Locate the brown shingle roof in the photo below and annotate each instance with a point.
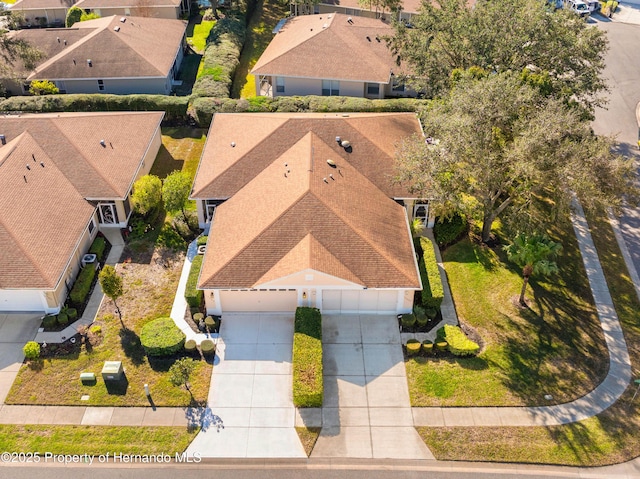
(305, 215)
(41, 218)
(409, 6)
(72, 141)
(143, 47)
(40, 4)
(328, 46)
(127, 3)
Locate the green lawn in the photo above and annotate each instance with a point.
(609, 438)
(259, 34)
(95, 440)
(556, 347)
(198, 39)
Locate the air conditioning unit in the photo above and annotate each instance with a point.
(89, 259)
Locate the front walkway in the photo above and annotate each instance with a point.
(366, 411)
(250, 394)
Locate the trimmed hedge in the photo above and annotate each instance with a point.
(82, 286)
(208, 347)
(175, 107)
(459, 344)
(161, 337)
(221, 58)
(31, 350)
(49, 322)
(203, 109)
(408, 320)
(98, 246)
(308, 389)
(63, 319)
(194, 296)
(190, 345)
(432, 290)
(413, 347)
(202, 240)
(427, 347)
(448, 230)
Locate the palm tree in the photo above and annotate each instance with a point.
(534, 254)
(417, 227)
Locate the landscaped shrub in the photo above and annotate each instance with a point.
(31, 350)
(413, 347)
(201, 240)
(408, 321)
(192, 295)
(82, 286)
(49, 322)
(98, 246)
(221, 58)
(63, 319)
(307, 358)
(448, 230)
(427, 347)
(72, 313)
(209, 322)
(459, 344)
(197, 317)
(421, 316)
(175, 107)
(208, 347)
(161, 337)
(190, 345)
(441, 345)
(432, 291)
(96, 329)
(170, 238)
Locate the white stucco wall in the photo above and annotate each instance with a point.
(118, 86)
(147, 11)
(313, 86)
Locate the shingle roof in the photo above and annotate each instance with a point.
(40, 4)
(329, 46)
(127, 3)
(72, 141)
(290, 210)
(409, 6)
(136, 50)
(43, 218)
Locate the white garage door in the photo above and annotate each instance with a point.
(258, 300)
(360, 301)
(11, 300)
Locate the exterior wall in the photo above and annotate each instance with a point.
(146, 11)
(310, 279)
(11, 86)
(408, 92)
(313, 86)
(119, 86)
(52, 15)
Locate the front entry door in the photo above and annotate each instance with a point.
(421, 210)
(108, 213)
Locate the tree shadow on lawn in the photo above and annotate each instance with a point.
(180, 133)
(165, 162)
(132, 347)
(472, 363)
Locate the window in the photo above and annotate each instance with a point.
(279, 85)
(100, 85)
(92, 225)
(330, 87)
(373, 89)
(397, 86)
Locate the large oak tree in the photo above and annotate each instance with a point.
(504, 35)
(501, 149)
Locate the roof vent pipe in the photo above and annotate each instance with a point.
(3, 139)
(103, 143)
(89, 62)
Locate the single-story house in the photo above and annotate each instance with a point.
(356, 8)
(53, 13)
(330, 55)
(119, 55)
(302, 210)
(64, 177)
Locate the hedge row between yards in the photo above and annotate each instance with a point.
(82, 286)
(432, 291)
(193, 295)
(308, 390)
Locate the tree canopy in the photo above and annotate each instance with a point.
(504, 35)
(14, 50)
(499, 148)
(175, 191)
(147, 194)
(111, 284)
(74, 14)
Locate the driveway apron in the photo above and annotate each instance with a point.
(366, 411)
(250, 399)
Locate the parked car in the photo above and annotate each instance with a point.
(594, 6)
(578, 7)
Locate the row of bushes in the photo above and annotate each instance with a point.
(207, 347)
(175, 107)
(203, 109)
(98, 247)
(63, 318)
(161, 337)
(82, 286)
(307, 358)
(449, 230)
(432, 291)
(221, 58)
(448, 338)
(193, 295)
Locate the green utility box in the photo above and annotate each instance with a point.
(112, 371)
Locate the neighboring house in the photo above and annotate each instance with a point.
(329, 55)
(289, 228)
(120, 55)
(64, 177)
(172, 9)
(355, 8)
(54, 12)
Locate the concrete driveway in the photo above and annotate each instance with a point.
(250, 396)
(366, 410)
(16, 329)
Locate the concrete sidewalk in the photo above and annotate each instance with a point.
(602, 397)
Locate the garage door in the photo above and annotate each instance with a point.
(258, 300)
(360, 301)
(21, 300)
